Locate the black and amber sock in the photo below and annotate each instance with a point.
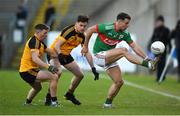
(28, 101)
(108, 101)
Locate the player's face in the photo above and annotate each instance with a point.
(43, 34)
(123, 24)
(81, 26)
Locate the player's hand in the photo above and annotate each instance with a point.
(53, 69)
(96, 74)
(84, 50)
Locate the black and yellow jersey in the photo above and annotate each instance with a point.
(32, 44)
(71, 39)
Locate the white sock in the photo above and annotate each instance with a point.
(149, 65)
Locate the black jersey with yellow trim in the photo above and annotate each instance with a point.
(71, 39)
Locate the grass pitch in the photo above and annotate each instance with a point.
(92, 94)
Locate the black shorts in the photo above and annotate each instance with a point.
(64, 59)
(29, 76)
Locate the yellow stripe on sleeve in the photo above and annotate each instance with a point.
(67, 32)
(37, 44)
(62, 38)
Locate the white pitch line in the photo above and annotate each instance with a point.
(148, 89)
(151, 90)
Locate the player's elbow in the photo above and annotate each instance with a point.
(124, 50)
(35, 59)
(91, 30)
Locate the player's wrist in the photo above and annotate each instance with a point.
(47, 66)
(85, 46)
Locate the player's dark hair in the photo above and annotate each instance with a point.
(160, 18)
(83, 18)
(122, 16)
(41, 27)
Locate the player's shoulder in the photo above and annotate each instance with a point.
(108, 26)
(69, 29)
(126, 32)
(34, 42)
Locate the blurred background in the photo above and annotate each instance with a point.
(18, 17)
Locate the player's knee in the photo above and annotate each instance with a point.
(60, 71)
(80, 76)
(55, 77)
(124, 50)
(119, 83)
(59, 75)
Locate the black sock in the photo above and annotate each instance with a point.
(54, 99)
(70, 91)
(28, 101)
(48, 95)
(108, 101)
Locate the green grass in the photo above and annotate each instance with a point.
(92, 94)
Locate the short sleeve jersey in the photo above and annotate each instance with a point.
(71, 39)
(32, 44)
(108, 37)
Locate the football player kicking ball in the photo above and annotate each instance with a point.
(31, 62)
(106, 55)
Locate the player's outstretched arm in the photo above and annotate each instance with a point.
(42, 64)
(138, 50)
(59, 43)
(88, 35)
(90, 61)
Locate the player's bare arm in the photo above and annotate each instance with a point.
(89, 59)
(58, 45)
(89, 33)
(37, 60)
(138, 50)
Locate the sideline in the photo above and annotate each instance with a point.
(151, 90)
(148, 89)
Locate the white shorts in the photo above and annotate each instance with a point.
(99, 59)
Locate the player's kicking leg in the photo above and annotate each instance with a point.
(115, 54)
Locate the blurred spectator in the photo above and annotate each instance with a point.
(50, 15)
(21, 15)
(161, 33)
(175, 34)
